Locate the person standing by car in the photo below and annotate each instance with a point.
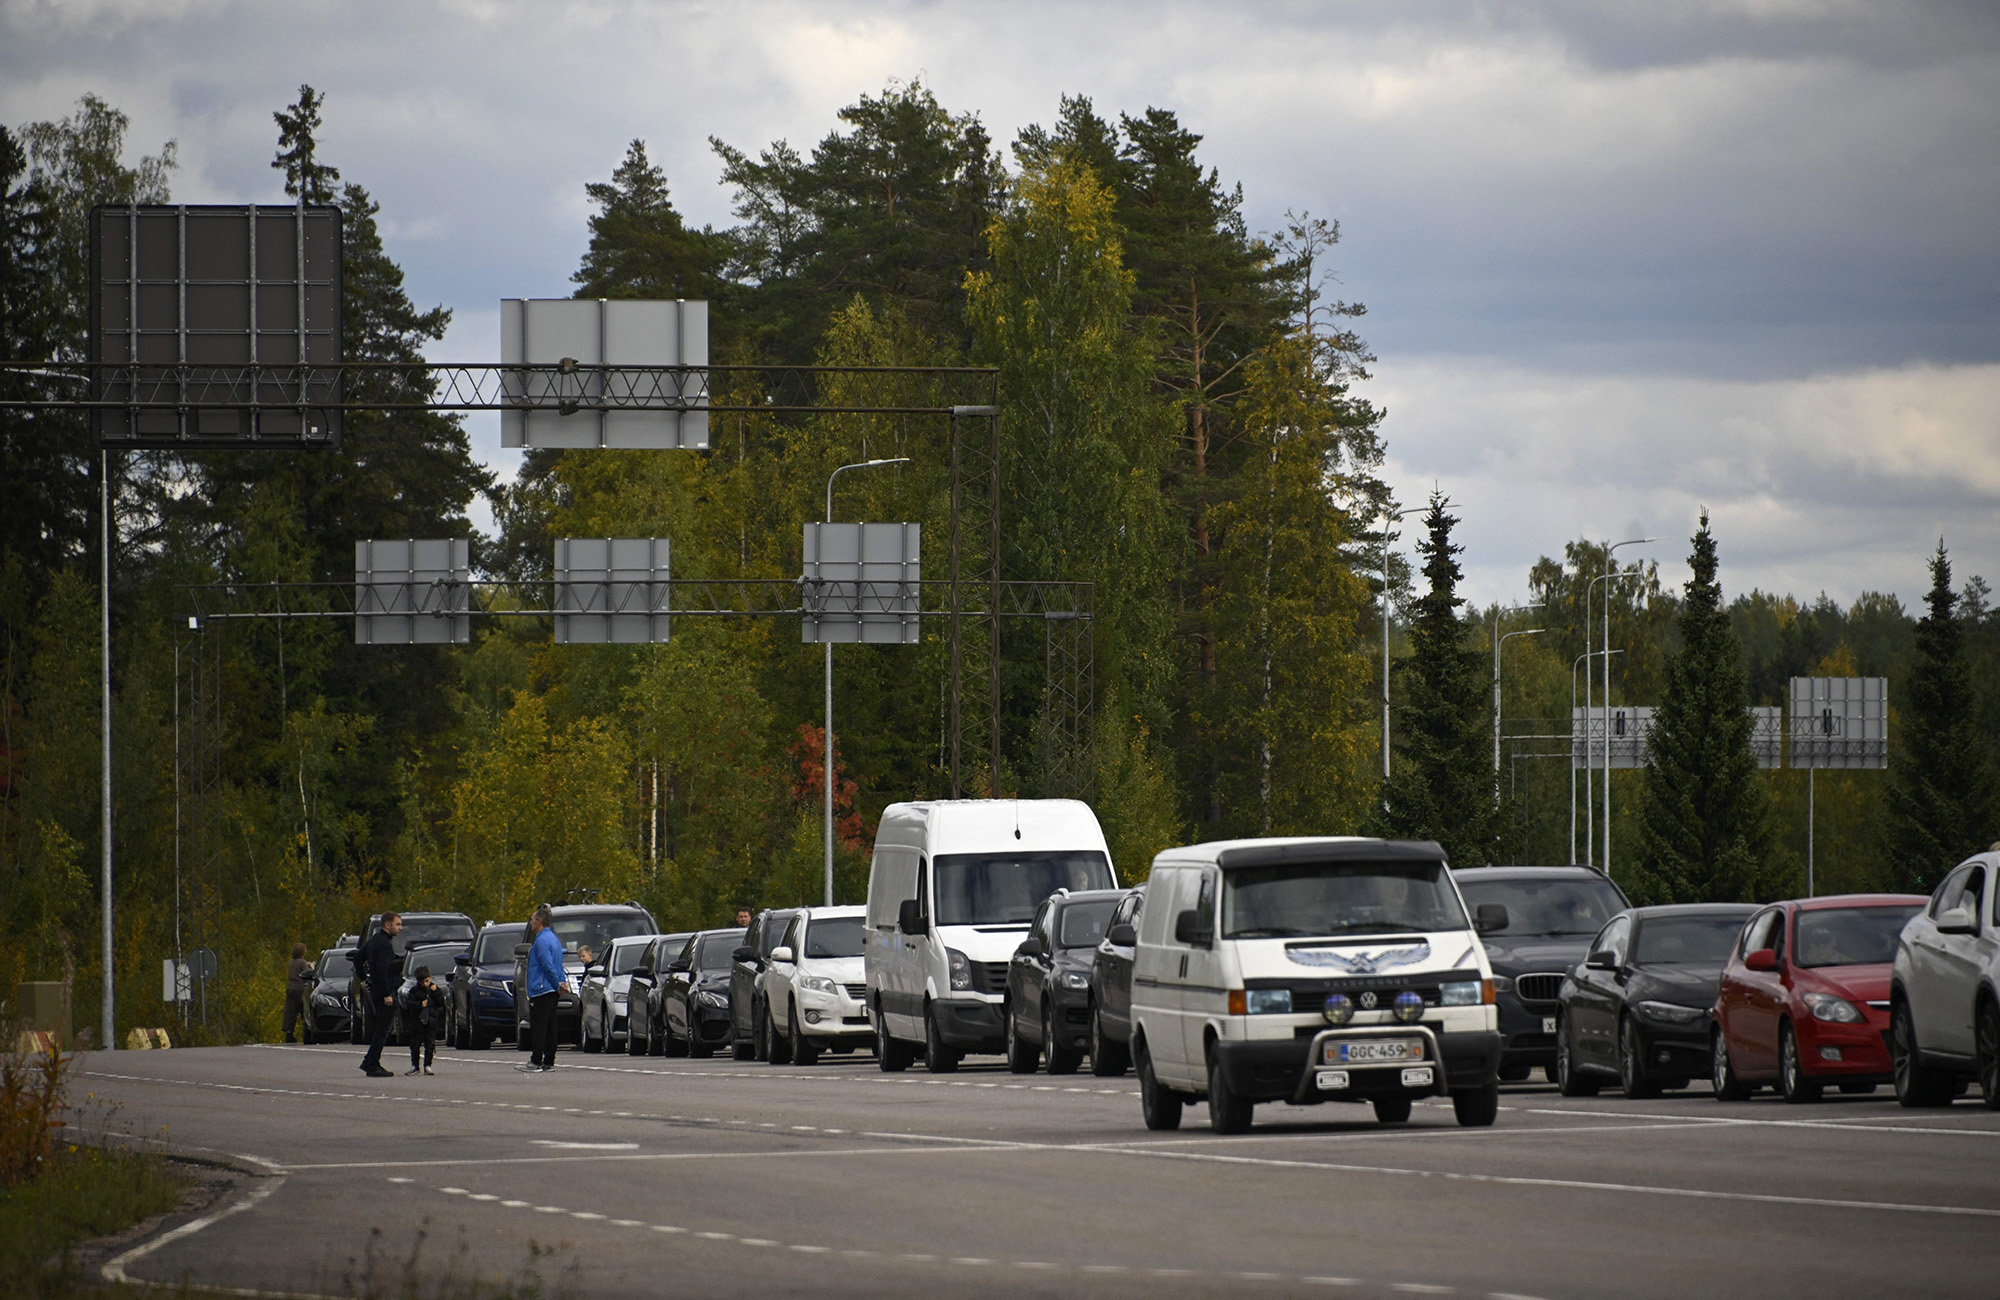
(425, 1013)
(742, 918)
(545, 982)
(298, 983)
(378, 973)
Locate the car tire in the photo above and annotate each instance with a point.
(1721, 1070)
(1632, 1075)
(1569, 1080)
(1918, 1086)
(1391, 1110)
(1158, 1106)
(1061, 1060)
(742, 1049)
(672, 1046)
(804, 1050)
(584, 1040)
(1515, 1073)
(892, 1055)
(1022, 1056)
(1476, 1107)
(1793, 1085)
(1986, 1051)
(1227, 1113)
(1107, 1060)
(938, 1058)
(777, 1051)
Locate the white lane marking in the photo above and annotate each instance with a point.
(586, 1146)
(402, 1180)
(621, 1156)
(114, 1268)
(1855, 1125)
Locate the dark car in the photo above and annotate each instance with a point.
(694, 1003)
(578, 926)
(747, 1008)
(1637, 1008)
(418, 928)
(1047, 1008)
(329, 1013)
(1551, 914)
(646, 1031)
(1111, 988)
(441, 960)
(482, 990)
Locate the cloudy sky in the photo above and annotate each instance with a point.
(1622, 259)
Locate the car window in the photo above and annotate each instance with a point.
(895, 879)
(626, 958)
(754, 936)
(1685, 940)
(1204, 901)
(1153, 922)
(783, 929)
(1850, 936)
(1947, 888)
(1968, 894)
(835, 936)
(1757, 934)
(1778, 938)
(1040, 929)
(1083, 924)
(718, 951)
(1330, 898)
(1614, 939)
(596, 930)
(1006, 888)
(1575, 906)
(1128, 908)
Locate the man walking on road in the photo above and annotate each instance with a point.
(545, 981)
(298, 983)
(378, 969)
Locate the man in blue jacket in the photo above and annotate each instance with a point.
(545, 980)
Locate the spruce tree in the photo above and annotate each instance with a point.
(1704, 831)
(1442, 785)
(1941, 788)
(639, 245)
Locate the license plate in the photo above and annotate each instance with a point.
(1417, 1078)
(1548, 1024)
(1376, 1051)
(1330, 1080)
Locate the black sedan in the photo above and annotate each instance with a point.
(482, 989)
(1048, 980)
(1637, 1007)
(695, 1001)
(645, 1026)
(1551, 914)
(1111, 988)
(329, 1012)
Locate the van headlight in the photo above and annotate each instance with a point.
(1269, 1002)
(961, 970)
(1459, 993)
(1408, 1006)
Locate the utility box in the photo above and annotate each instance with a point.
(44, 1007)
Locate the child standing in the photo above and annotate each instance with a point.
(424, 1016)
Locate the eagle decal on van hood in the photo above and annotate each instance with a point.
(1361, 961)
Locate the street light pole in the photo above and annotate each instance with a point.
(108, 1010)
(1588, 654)
(1497, 639)
(1611, 572)
(1387, 517)
(826, 755)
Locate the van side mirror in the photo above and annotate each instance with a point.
(1122, 935)
(1489, 917)
(1602, 959)
(1192, 930)
(910, 918)
(1762, 959)
(783, 952)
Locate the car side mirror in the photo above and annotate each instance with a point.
(1489, 917)
(643, 974)
(463, 959)
(1957, 920)
(678, 967)
(782, 952)
(593, 969)
(520, 950)
(1764, 959)
(1602, 959)
(1030, 947)
(910, 918)
(1192, 930)
(744, 952)
(1121, 935)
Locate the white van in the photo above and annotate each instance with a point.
(1311, 970)
(953, 887)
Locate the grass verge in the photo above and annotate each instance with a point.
(79, 1193)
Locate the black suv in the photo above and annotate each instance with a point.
(482, 990)
(419, 928)
(746, 993)
(1551, 914)
(1048, 980)
(1111, 988)
(586, 925)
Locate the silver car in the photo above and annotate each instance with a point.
(1944, 990)
(606, 986)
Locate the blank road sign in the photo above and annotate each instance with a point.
(612, 591)
(1629, 726)
(412, 591)
(1840, 722)
(570, 400)
(861, 583)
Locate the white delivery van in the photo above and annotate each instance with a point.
(1311, 970)
(952, 889)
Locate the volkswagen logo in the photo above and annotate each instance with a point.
(1367, 1001)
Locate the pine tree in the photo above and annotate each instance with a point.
(298, 149)
(639, 245)
(1442, 785)
(1941, 786)
(1704, 832)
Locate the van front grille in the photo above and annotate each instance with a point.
(989, 976)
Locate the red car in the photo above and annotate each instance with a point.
(1804, 998)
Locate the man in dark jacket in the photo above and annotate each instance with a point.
(378, 973)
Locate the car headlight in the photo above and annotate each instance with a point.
(1459, 993)
(961, 969)
(1840, 1011)
(1669, 1013)
(1075, 979)
(1268, 1002)
(490, 985)
(818, 984)
(1502, 984)
(709, 999)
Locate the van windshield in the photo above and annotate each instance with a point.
(1006, 888)
(1315, 898)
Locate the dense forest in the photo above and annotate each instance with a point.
(1183, 426)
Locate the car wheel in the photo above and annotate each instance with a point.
(742, 1049)
(584, 1040)
(1986, 1046)
(1227, 1112)
(1793, 1085)
(1721, 1072)
(1476, 1107)
(938, 1058)
(1917, 1085)
(777, 1051)
(892, 1055)
(1061, 1059)
(1569, 1080)
(1022, 1056)
(1106, 1060)
(1392, 1110)
(1638, 1085)
(1160, 1108)
(804, 1052)
(673, 1045)
(1515, 1073)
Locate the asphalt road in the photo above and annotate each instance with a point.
(717, 1178)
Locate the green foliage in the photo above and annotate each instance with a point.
(83, 1193)
(639, 245)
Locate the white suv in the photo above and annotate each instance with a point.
(1311, 970)
(1944, 990)
(815, 986)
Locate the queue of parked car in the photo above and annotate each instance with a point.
(1300, 970)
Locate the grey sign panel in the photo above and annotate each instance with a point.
(612, 590)
(582, 403)
(861, 583)
(1840, 722)
(413, 591)
(1767, 736)
(1628, 727)
(216, 317)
